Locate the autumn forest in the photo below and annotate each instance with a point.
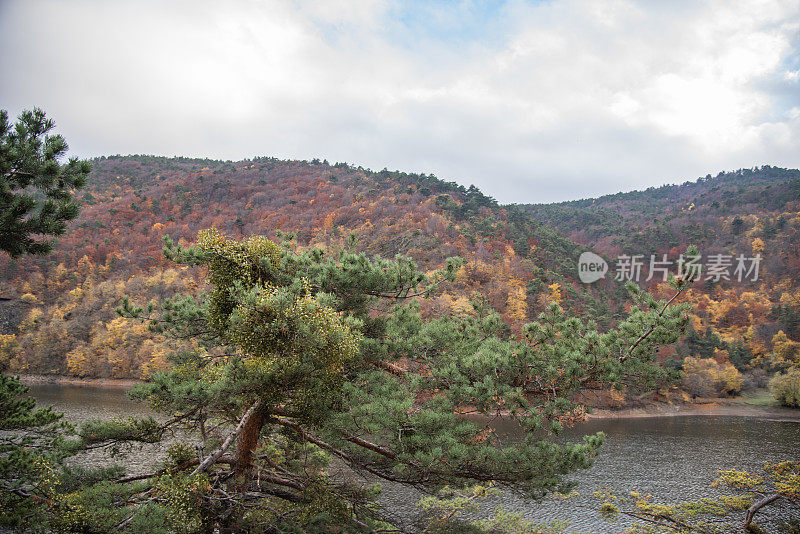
(58, 316)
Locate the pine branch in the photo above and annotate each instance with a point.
(652, 327)
(751, 512)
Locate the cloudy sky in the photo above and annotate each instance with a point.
(531, 101)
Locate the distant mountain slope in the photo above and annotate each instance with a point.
(60, 317)
(747, 212)
(657, 219)
(67, 323)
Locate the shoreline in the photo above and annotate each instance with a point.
(110, 383)
(714, 407)
(721, 407)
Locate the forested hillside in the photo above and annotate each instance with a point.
(747, 212)
(59, 316)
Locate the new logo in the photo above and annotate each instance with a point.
(591, 267)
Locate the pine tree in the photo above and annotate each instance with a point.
(31, 443)
(307, 361)
(36, 190)
(36, 201)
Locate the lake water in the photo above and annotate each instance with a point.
(672, 458)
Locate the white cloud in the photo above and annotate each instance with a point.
(553, 100)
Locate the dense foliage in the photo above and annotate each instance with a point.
(753, 325)
(786, 387)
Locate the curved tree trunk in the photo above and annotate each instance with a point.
(242, 464)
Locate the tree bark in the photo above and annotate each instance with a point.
(208, 462)
(243, 457)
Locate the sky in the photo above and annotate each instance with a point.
(531, 101)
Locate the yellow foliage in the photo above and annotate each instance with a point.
(79, 361)
(7, 348)
(704, 376)
(57, 278)
(791, 298)
(31, 320)
(170, 276)
(60, 313)
(787, 350)
(786, 387)
(29, 298)
(153, 358)
(85, 266)
(516, 305)
(756, 347)
(556, 294)
(461, 306)
(786, 477)
(166, 277)
(327, 224)
(758, 245)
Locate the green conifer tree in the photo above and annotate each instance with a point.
(36, 190)
(308, 359)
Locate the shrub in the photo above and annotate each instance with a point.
(703, 377)
(786, 388)
(697, 376)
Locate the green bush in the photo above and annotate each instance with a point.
(786, 388)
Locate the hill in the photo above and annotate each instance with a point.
(748, 212)
(60, 317)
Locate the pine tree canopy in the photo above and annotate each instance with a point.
(36, 191)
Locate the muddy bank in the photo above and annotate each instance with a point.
(649, 408)
(720, 407)
(110, 383)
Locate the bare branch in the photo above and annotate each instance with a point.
(751, 512)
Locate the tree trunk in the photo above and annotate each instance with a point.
(242, 464)
(243, 458)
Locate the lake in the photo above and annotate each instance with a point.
(672, 458)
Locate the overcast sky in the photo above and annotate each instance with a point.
(530, 101)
